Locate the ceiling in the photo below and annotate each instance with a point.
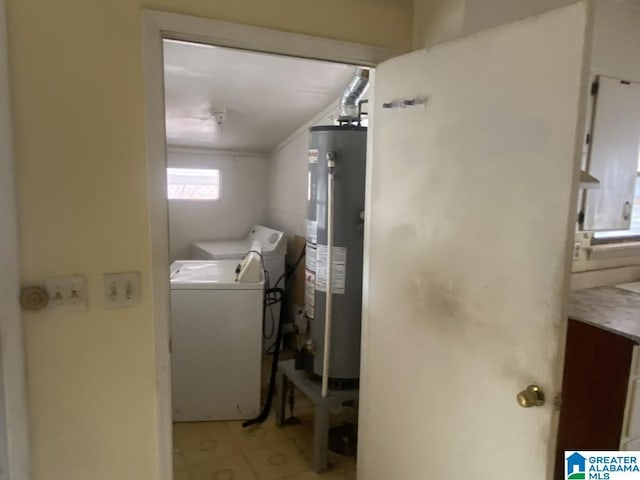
(266, 97)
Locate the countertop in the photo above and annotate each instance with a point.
(609, 308)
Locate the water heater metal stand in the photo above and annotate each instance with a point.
(321, 407)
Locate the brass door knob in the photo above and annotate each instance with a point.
(531, 396)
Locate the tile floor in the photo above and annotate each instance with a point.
(226, 451)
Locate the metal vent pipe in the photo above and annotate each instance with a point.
(352, 95)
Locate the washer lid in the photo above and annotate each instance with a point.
(208, 275)
(221, 250)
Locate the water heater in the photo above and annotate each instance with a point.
(337, 157)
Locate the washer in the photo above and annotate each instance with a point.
(274, 249)
(216, 331)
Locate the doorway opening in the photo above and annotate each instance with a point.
(237, 131)
(232, 169)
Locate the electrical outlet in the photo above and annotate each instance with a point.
(577, 248)
(67, 294)
(121, 289)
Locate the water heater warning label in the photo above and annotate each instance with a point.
(313, 155)
(312, 231)
(311, 257)
(338, 269)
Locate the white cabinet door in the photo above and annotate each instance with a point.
(614, 155)
(469, 211)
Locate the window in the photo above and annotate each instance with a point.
(634, 228)
(193, 183)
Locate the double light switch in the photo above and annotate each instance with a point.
(121, 289)
(69, 293)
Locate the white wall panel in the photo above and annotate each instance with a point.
(244, 185)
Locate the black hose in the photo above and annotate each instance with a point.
(291, 271)
(280, 292)
(289, 274)
(274, 369)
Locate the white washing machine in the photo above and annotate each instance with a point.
(216, 331)
(274, 249)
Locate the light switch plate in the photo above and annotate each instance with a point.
(577, 248)
(121, 289)
(67, 294)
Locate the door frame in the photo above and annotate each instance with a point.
(14, 428)
(158, 26)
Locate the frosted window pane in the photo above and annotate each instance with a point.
(193, 184)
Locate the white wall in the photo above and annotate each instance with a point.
(439, 20)
(483, 14)
(288, 178)
(79, 131)
(288, 186)
(436, 20)
(244, 184)
(616, 38)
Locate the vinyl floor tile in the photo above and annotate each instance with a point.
(206, 445)
(256, 436)
(235, 467)
(276, 460)
(227, 451)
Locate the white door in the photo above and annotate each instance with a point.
(471, 204)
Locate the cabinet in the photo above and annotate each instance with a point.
(613, 155)
(600, 407)
(631, 427)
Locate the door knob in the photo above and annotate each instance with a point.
(531, 396)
